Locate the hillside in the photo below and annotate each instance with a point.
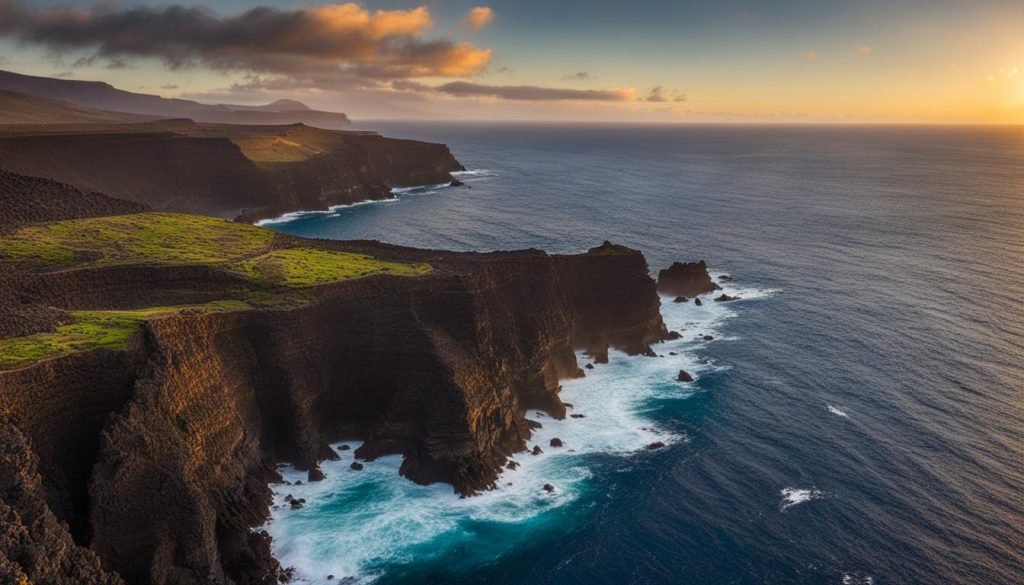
(103, 96)
(19, 108)
(229, 171)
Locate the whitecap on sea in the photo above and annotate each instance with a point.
(356, 524)
(796, 496)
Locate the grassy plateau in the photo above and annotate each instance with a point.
(171, 239)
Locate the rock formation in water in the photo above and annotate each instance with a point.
(686, 280)
(152, 463)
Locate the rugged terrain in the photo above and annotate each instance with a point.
(163, 364)
(96, 95)
(229, 171)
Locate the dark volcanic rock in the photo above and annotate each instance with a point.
(590, 366)
(36, 547)
(724, 298)
(686, 280)
(698, 302)
(356, 466)
(674, 335)
(314, 474)
(193, 168)
(681, 300)
(578, 416)
(162, 455)
(708, 338)
(536, 450)
(549, 488)
(656, 445)
(556, 442)
(684, 376)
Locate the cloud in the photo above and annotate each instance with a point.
(519, 92)
(478, 18)
(657, 95)
(865, 50)
(581, 76)
(169, 87)
(336, 43)
(811, 56)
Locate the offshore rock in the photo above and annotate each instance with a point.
(686, 280)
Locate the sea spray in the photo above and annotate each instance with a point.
(362, 524)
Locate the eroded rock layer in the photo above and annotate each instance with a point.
(175, 440)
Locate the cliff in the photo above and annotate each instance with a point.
(245, 172)
(113, 102)
(158, 454)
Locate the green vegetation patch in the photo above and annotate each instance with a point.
(301, 267)
(163, 238)
(94, 330)
(170, 238)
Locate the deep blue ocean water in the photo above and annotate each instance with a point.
(858, 418)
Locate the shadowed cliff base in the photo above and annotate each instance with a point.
(157, 448)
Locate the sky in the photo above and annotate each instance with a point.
(802, 61)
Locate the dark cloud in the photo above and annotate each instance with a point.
(337, 42)
(534, 93)
(657, 95)
(581, 76)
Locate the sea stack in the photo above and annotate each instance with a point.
(686, 280)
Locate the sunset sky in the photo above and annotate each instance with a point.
(655, 60)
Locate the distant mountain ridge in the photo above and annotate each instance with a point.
(103, 96)
(21, 108)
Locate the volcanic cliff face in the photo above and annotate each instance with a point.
(159, 456)
(227, 171)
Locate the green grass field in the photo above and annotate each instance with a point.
(281, 277)
(94, 330)
(168, 238)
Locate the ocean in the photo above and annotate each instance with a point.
(857, 418)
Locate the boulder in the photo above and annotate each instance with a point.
(709, 338)
(681, 300)
(536, 450)
(315, 474)
(578, 416)
(674, 335)
(684, 376)
(296, 504)
(589, 366)
(556, 442)
(698, 302)
(549, 488)
(655, 445)
(344, 448)
(724, 298)
(356, 466)
(685, 280)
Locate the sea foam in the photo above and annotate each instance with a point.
(356, 524)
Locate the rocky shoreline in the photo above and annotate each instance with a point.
(153, 463)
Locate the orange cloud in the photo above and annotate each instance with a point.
(865, 50)
(331, 45)
(478, 18)
(351, 18)
(811, 55)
